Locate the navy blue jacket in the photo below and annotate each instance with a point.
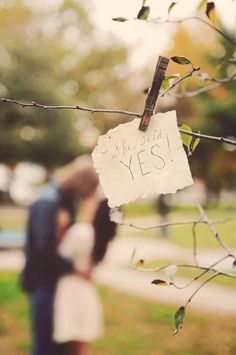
(43, 264)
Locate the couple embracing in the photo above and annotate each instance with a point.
(60, 257)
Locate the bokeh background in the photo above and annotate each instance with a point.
(70, 52)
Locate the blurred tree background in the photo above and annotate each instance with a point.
(53, 56)
(56, 56)
(211, 112)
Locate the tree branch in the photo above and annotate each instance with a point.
(212, 138)
(206, 270)
(203, 284)
(75, 107)
(196, 18)
(161, 225)
(195, 242)
(93, 110)
(190, 73)
(213, 231)
(215, 84)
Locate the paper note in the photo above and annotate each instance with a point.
(133, 164)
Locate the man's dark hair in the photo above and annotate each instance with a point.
(105, 231)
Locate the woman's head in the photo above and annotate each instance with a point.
(79, 177)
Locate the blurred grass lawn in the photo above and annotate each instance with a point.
(133, 326)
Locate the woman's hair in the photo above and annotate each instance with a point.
(105, 230)
(78, 176)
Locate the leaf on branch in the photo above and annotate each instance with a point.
(166, 81)
(140, 263)
(210, 11)
(120, 19)
(160, 283)
(194, 143)
(179, 318)
(144, 13)
(186, 139)
(181, 60)
(202, 3)
(171, 7)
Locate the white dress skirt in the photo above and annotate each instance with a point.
(78, 313)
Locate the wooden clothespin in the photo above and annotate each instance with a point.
(153, 92)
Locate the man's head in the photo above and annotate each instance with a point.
(78, 178)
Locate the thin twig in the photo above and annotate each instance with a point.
(66, 107)
(196, 18)
(206, 270)
(212, 138)
(213, 231)
(188, 74)
(170, 224)
(188, 266)
(216, 83)
(93, 110)
(203, 284)
(195, 243)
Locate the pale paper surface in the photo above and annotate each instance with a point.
(133, 164)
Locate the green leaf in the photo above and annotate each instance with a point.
(143, 13)
(194, 143)
(172, 76)
(165, 82)
(120, 19)
(202, 3)
(144, 1)
(179, 318)
(210, 11)
(171, 6)
(186, 139)
(181, 60)
(160, 283)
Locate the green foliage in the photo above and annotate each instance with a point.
(179, 318)
(201, 4)
(181, 60)
(167, 79)
(186, 139)
(189, 142)
(120, 19)
(143, 13)
(63, 65)
(172, 5)
(215, 163)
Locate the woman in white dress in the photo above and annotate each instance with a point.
(78, 317)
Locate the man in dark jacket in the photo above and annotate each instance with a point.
(44, 266)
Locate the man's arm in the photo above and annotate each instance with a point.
(43, 229)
